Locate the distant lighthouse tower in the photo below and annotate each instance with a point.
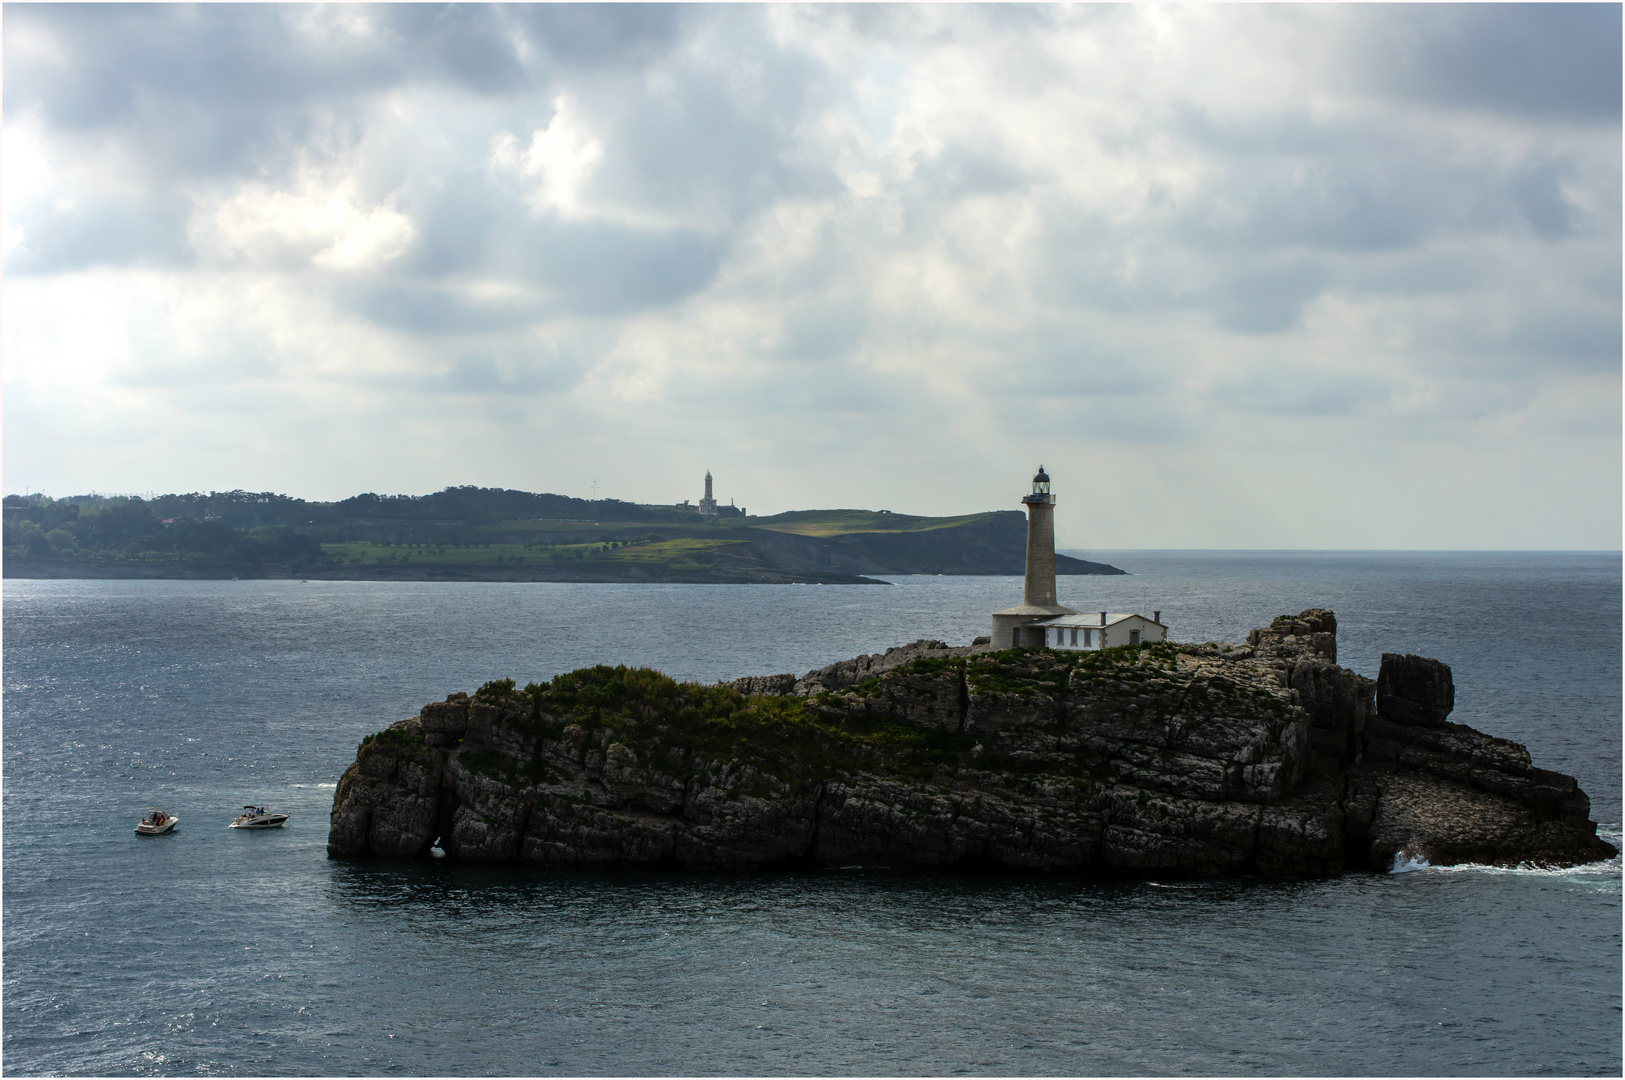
(708, 505)
(1038, 591)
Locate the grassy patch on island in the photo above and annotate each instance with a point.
(676, 725)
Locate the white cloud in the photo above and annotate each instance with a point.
(559, 162)
(322, 221)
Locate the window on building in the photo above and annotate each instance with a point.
(1074, 637)
(1133, 637)
(1088, 637)
(1015, 636)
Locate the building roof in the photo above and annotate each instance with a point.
(1081, 620)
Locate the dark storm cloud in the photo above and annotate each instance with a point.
(1364, 190)
(599, 267)
(724, 134)
(1412, 273)
(1537, 191)
(1080, 263)
(601, 35)
(1304, 393)
(1268, 295)
(962, 170)
(1245, 290)
(569, 267)
(198, 89)
(482, 374)
(1061, 357)
(1582, 339)
(248, 62)
(1556, 61)
(435, 310)
(822, 328)
(1072, 370)
(1535, 343)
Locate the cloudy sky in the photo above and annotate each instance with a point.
(1240, 277)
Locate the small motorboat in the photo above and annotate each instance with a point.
(257, 817)
(156, 823)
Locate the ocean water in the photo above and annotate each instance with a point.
(217, 952)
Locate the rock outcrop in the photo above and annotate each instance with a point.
(1160, 759)
(1414, 690)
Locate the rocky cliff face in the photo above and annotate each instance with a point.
(1190, 759)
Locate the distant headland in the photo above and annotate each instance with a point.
(496, 534)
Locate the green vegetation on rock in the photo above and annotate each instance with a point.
(686, 722)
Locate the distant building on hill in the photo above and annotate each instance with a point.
(708, 505)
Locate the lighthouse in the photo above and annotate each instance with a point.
(708, 505)
(1038, 590)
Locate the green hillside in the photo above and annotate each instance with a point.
(844, 522)
(495, 534)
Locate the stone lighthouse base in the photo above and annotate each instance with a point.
(1006, 622)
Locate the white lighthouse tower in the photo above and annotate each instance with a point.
(1038, 591)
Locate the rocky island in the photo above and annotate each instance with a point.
(1162, 758)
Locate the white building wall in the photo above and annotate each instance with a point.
(1060, 637)
(1094, 638)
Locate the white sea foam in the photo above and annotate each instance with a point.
(1405, 862)
(1607, 870)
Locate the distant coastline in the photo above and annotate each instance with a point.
(480, 534)
(729, 569)
(24, 568)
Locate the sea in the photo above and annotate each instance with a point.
(221, 952)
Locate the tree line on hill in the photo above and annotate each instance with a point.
(469, 505)
(129, 530)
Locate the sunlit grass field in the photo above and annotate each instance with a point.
(842, 522)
